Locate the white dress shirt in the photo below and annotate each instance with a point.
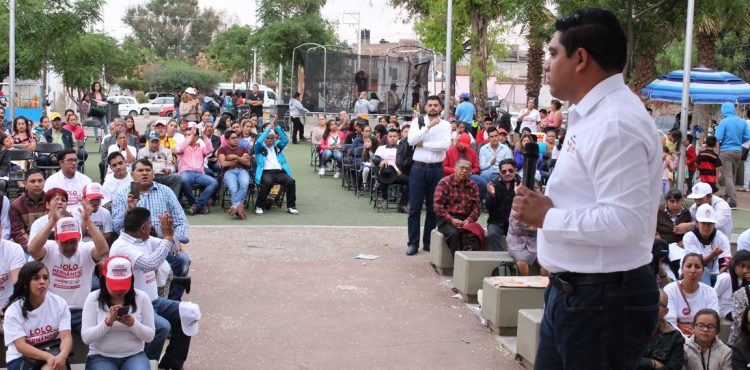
(604, 203)
(435, 141)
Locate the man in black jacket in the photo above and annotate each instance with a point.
(403, 162)
(499, 201)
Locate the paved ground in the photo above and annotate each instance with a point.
(294, 297)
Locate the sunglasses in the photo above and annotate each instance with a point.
(507, 171)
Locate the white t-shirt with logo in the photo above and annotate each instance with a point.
(42, 324)
(70, 278)
(74, 187)
(531, 120)
(11, 258)
(144, 280)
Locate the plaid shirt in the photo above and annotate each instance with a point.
(454, 199)
(159, 199)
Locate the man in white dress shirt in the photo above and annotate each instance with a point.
(598, 217)
(431, 137)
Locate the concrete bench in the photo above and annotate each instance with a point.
(500, 304)
(527, 341)
(440, 255)
(471, 267)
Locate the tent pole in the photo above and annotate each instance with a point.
(686, 93)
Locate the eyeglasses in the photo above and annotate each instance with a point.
(71, 160)
(704, 327)
(233, 138)
(507, 171)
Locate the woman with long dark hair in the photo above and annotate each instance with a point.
(736, 277)
(331, 147)
(741, 345)
(98, 107)
(22, 137)
(117, 320)
(35, 319)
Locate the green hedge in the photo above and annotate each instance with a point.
(175, 76)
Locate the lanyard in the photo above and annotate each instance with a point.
(705, 363)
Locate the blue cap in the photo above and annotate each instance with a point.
(464, 96)
(153, 135)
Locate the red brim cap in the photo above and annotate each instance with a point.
(118, 285)
(64, 237)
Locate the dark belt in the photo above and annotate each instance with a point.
(428, 165)
(567, 281)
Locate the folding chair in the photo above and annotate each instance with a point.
(46, 149)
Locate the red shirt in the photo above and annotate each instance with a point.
(453, 155)
(690, 158)
(454, 199)
(238, 151)
(77, 131)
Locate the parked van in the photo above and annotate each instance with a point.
(269, 96)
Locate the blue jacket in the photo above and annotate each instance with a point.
(261, 152)
(732, 130)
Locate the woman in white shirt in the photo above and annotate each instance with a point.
(736, 277)
(117, 320)
(128, 151)
(36, 319)
(689, 295)
(708, 241)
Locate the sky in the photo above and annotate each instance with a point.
(383, 21)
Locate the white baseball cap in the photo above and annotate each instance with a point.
(190, 315)
(67, 228)
(700, 190)
(705, 213)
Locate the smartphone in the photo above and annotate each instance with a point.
(122, 311)
(135, 189)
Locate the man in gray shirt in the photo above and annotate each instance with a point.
(163, 162)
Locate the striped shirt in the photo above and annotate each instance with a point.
(707, 163)
(159, 199)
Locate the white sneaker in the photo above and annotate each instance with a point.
(336, 175)
(293, 211)
(322, 171)
(258, 211)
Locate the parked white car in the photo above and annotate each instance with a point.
(128, 105)
(155, 106)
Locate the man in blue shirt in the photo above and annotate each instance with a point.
(465, 110)
(731, 133)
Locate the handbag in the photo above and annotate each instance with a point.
(745, 151)
(98, 111)
(52, 347)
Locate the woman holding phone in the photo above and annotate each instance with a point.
(37, 323)
(117, 320)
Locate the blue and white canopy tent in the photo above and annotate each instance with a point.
(707, 86)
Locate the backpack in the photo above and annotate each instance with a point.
(405, 153)
(505, 268)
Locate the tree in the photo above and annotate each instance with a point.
(712, 19)
(733, 53)
(81, 60)
(41, 26)
(173, 29)
(287, 24)
(175, 75)
(233, 51)
(433, 33)
(537, 21)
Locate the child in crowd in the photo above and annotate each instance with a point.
(708, 164)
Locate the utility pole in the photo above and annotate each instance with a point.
(12, 60)
(447, 84)
(354, 20)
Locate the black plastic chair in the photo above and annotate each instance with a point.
(46, 149)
